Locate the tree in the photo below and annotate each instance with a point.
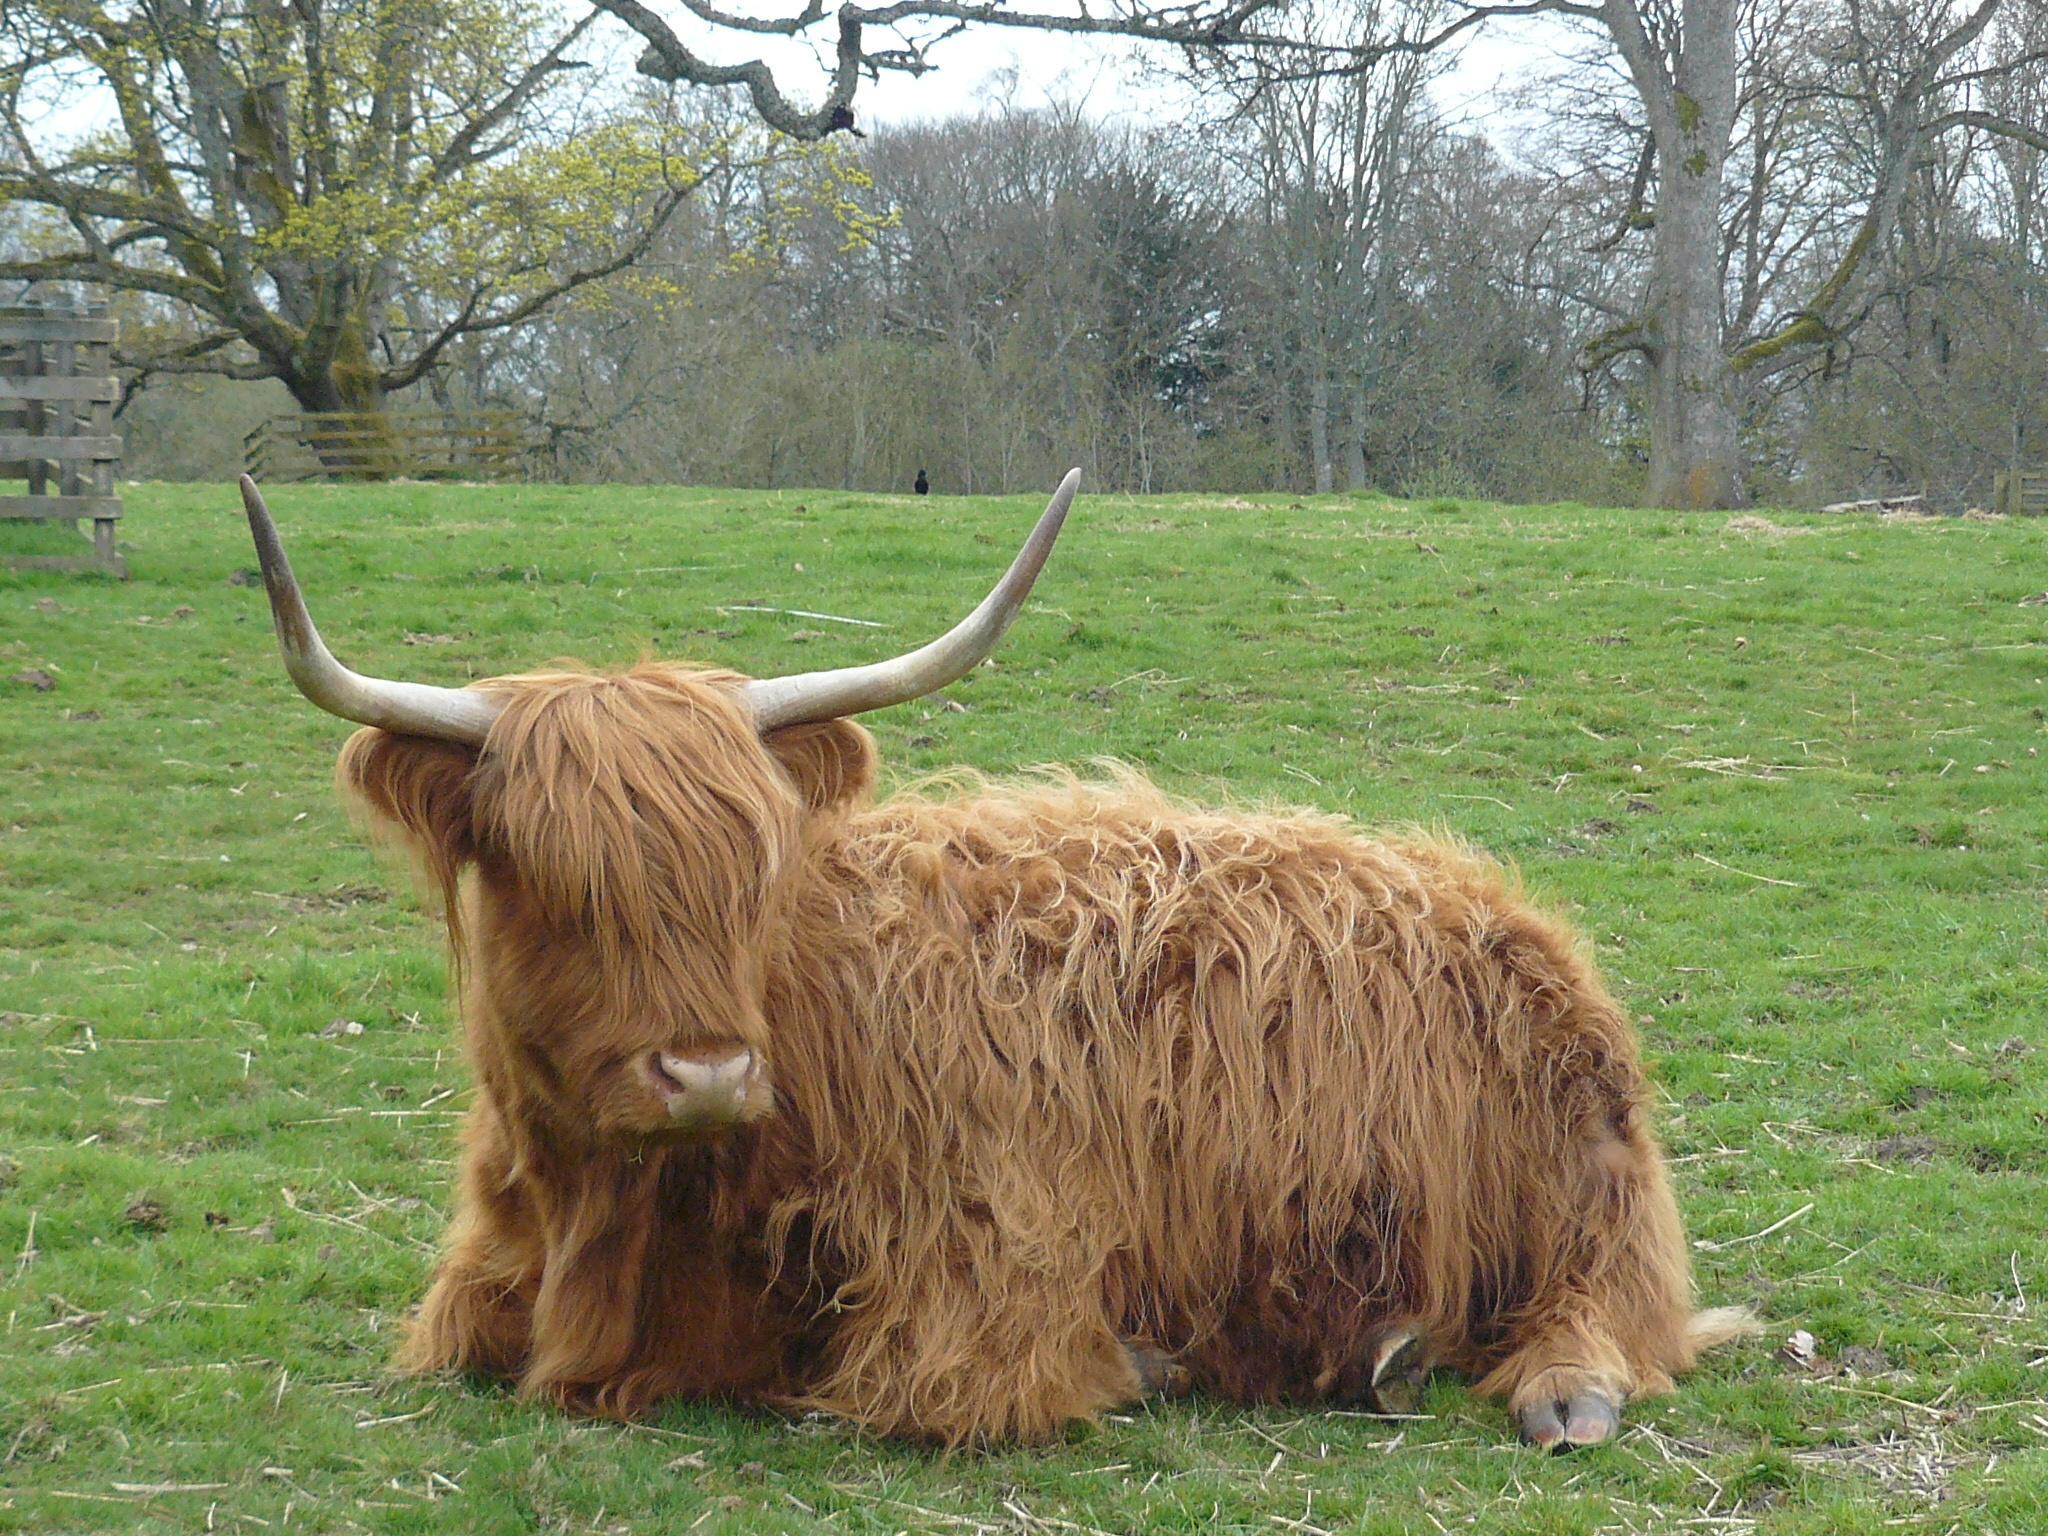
(1071, 274)
(1329, 161)
(325, 193)
(665, 372)
(1942, 383)
(1023, 291)
(1897, 74)
(1902, 68)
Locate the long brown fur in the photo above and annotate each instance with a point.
(1049, 1069)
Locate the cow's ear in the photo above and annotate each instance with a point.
(421, 789)
(833, 762)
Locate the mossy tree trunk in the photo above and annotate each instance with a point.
(1687, 84)
(1695, 452)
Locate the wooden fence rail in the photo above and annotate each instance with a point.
(57, 397)
(412, 445)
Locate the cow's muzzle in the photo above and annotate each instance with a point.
(705, 1088)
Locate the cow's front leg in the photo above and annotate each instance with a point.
(990, 1355)
(1566, 1406)
(477, 1316)
(1611, 1317)
(1400, 1363)
(1567, 1387)
(641, 1296)
(478, 1313)
(1570, 1376)
(1159, 1373)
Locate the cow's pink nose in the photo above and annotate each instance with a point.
(702, 1093)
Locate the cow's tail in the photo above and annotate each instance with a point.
(1717, 1325)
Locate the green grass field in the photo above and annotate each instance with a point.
(1786, 774)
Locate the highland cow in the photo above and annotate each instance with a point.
(966, 1114)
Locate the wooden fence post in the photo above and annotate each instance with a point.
(57, 394)
(2020, 492)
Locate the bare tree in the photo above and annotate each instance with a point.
(1326, 160)
(1936, 381)
(1904, 68)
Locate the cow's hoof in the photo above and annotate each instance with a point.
(1587, 1417)
(1159, 1374)
(1400, 1370)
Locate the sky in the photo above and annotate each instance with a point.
(1107, 74)
(982, 64)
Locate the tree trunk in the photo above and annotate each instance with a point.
(1354, 443)
(1354, 465)
(1286, 428)
(333, 375)
(1319, 430)
(1690, 101)
(1695, 455)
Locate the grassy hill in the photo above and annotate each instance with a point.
(1786, 772)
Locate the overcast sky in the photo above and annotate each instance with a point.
(982, 64)
(1106, 73)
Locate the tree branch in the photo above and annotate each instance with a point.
(1904, 132)
(1597, 351)
(84, 267)
(465, 323)
(1191, 26)
(1634, 216)
(460, 152)
(1990, 122)
(191, 358)
(667, 59)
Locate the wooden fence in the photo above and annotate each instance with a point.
(411, 445)
(57, 398)
(2020, 493)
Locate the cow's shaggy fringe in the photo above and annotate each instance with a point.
(1056, 1068)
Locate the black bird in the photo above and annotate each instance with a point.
(921, 485)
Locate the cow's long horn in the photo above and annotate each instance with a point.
(411, 709)
(807, 696)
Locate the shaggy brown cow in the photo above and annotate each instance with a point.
(964, 1116)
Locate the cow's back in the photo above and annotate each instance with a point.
(1256, 1081)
